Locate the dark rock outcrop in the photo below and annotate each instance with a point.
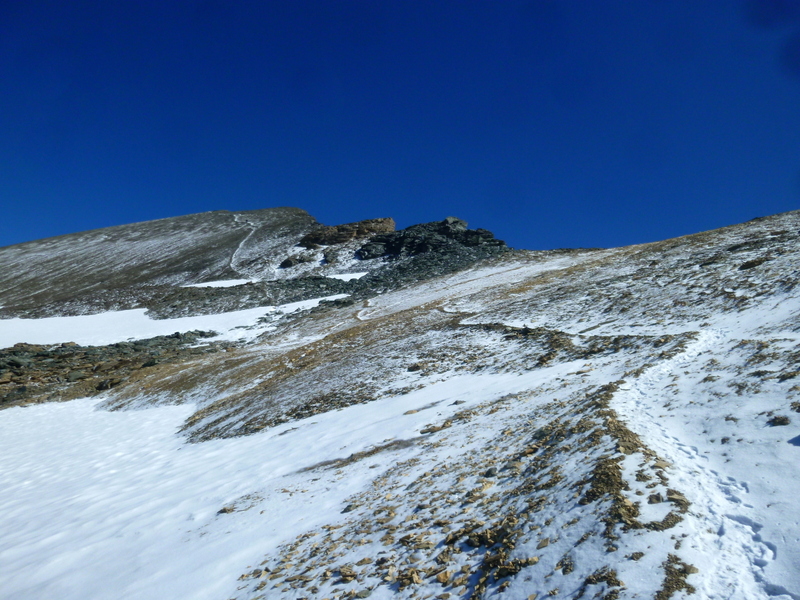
(439, 236)
(339, 234)
(44, 373)
(295, 260)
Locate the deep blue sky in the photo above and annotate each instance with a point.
(553, 123)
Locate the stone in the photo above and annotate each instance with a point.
(347, 574)
(73, 376)
(19, 361)
(107, 384)
(297, 259)
(440, 236)
(678, 498)
(453, 225)
(339, 234)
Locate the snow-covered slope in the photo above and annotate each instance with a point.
(599, 424)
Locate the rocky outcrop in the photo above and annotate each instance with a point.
(32, 373)
(339, 234)
(438, 236)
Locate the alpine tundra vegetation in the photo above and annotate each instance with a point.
(251, 405)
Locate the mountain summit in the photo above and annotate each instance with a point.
(255, 405)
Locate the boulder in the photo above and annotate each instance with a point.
(295, 260)
(75, 376)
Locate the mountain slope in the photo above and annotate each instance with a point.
(598, 424)
(175, 251)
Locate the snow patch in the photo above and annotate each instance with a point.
(347, 276)
(118, 326)
(220, 284)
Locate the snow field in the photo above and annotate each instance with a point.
(116, 505)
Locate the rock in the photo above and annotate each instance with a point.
(447, 235)
(339, 303)
(779, 420)
(453, 225)
(347, 574)
(490, 472)
(435, 428)
(374, 249)
(750, 264)
(107, 384)
(677, 498)
(73, 376)
(295, 260)
(339, 234)
(514, 465)
(19, 361)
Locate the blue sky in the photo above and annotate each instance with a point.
(554, 123)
